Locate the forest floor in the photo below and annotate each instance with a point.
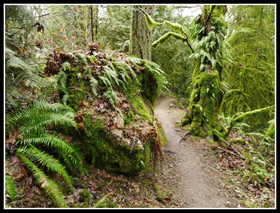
(192, 175)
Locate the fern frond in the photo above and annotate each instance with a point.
(43, 120)
(63, 148)
(101, 200)
(46, 183)
(48, 161)
(111, 96)
(18, 70)
(10, 188)
(41, 111)
(106, 82)
(94, 85)
(56, 107)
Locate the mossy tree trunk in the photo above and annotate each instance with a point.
(206, 95)
(141, 36)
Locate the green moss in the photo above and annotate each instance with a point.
(142, 109)
(112, 204)
(86, 197)
(204, 103)
(129, 117)
(72, 87)
(111, 153)
(149, 86)
(271, 130)
(161, 134)
(185, 119)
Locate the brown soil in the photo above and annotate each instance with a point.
(199, 185)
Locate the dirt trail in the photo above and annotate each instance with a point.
(199, 184)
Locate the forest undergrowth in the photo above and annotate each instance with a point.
(80, 128)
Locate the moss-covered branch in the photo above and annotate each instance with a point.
(237, 118)
(166, 36)
(178, 29)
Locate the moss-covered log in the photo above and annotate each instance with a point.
(113, 96)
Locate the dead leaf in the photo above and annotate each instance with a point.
(55, 37)
(20, 173)
(81, 126)
(45, 183)
(92, 61)
(21, 49)
(251, 188)
(13, 137)
(48, 42)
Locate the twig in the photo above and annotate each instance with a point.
(232, 153)
(189, 45)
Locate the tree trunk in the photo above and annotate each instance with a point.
(206, 95)
(141, 36)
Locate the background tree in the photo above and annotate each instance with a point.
(141, 36)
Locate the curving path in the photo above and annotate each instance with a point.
(199, 184)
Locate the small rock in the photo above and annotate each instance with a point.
(119, 122)
(117, 132)
(139, 143)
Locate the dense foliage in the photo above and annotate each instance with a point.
(223, 68)
(251, 79)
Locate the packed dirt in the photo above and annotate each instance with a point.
(199, 185)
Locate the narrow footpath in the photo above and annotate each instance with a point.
(199, 183)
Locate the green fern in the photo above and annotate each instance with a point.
(10, 188)
(18, 71)
(32, 122)
(62, 86)
(48, 161)
(39, 119)
(46, 183)
(111, 96)
(94, 85)
(101, 200)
